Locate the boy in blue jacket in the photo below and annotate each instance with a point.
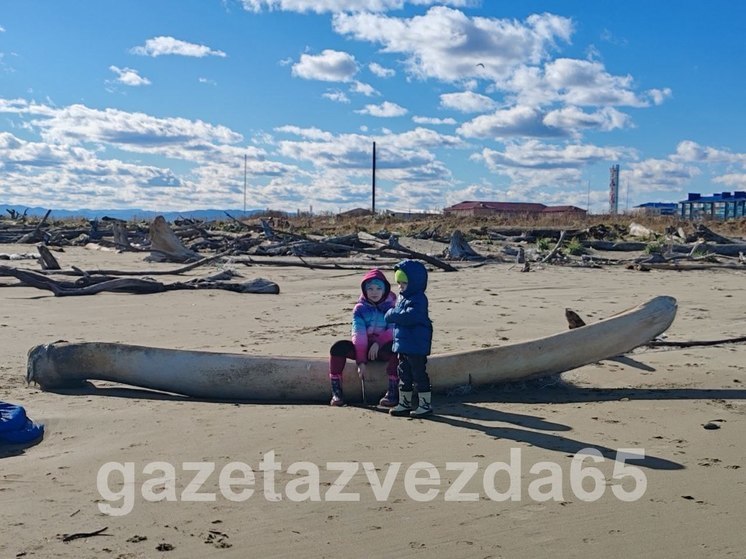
(413, 337)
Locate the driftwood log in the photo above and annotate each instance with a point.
(556, 248)
(165, 246)
(459, 248)
(48, 261)
(90, 285)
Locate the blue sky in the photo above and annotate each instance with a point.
(157, 104)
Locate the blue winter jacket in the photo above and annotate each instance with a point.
(413, 329)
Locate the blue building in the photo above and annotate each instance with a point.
(658, 208)
(718, 206)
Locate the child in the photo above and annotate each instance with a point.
(372, 338)
(413, 337)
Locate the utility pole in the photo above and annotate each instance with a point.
(373, 205)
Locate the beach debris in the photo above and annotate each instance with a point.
(91, 284)
(713, 425)
(553, 253)
(165, 246)
(459, 248)
(137, 539)
(637, 230)
(573, 319)
(666, 343)
(185, 240)
(16, 428)
(48, 261)
(78, 535)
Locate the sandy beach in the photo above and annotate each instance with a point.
(690, 504)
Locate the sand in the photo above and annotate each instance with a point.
(691, 504)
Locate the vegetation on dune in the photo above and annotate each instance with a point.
(473, 228)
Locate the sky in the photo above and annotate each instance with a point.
(275, 104)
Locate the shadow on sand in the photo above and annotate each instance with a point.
(464, 412)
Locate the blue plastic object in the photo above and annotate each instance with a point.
(16, 427)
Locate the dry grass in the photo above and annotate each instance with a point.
(472, 227)
(476, 227)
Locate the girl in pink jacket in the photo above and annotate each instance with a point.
(371, 339)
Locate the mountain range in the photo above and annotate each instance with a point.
(128, 214)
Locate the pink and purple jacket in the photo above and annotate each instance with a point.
(368, 323)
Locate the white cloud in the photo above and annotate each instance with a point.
(658, 96)
(533, 154)
(586, 82)
(573, 118)
(380, 71)
(340, 163)
(310, 133)
(335, 6)
(336, 96)
(516, 121)
(363, 88)
(330, 66)
(737, 181)
(207, 81)
(433, 120)
(159, 46)
(447, 45)
(174, 137)
(660, 175)
(688, 151)
(467, 102)
(128, 76)
(383, 110)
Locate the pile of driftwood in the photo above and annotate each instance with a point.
(262, 244)
(165, 245)
(672, 249)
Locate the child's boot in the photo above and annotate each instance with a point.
(337, 397)
(391, 398)
(424, 408)
(404, 407)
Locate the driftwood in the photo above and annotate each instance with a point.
(90, 285)
(703, 232)
(574, 321)
(556, 248)
(614, 246)
(165, 246)
(637, 230)
(48, 261)
(665, 343)
(683, 265)
(274, 378)
(459, 248)
(393, 243)
(327, 265)
(36, 235)
(78, 535)
(121, 239)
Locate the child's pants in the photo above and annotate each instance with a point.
(343, 350)
(412, 369)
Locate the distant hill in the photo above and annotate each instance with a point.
(130, 214)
